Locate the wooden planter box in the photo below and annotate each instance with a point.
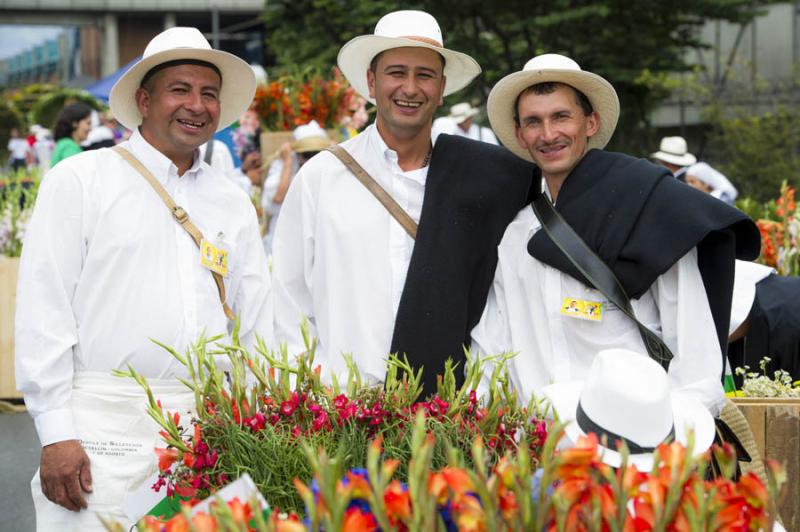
(8, 296)
(775, 424)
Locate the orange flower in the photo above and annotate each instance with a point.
(166, 457)
(290, 524)
(202, 522)
(242, 513)
(177, 524)
(397, 501)
(356, 520)
(468, 514)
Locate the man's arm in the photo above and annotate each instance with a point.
(253, 300)
(688, 329)
(292, 267)
(46, 332)
(492, 335)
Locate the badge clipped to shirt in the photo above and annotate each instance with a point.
(582, 309)
(214, 257)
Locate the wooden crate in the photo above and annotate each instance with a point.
(775, 424)
(8, 292)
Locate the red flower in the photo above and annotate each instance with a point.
(287, 408)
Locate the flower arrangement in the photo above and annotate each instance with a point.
(571, 490)
(262, 428)
(296, 99)
(17, 196)
(779, 224)
(761, 385)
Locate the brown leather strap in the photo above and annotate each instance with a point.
(386, 200)
(180, 215)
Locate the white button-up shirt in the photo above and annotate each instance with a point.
(105, 268)
(340, 259)
(523, 315)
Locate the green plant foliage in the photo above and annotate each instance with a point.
(758, 152)
(46, 109)
(608, 37)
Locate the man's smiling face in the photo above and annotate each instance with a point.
(554, 129)
(180, 109)
(407, 85)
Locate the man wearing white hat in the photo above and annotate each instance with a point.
(307, 140)
(460, 122)
(619, 234)
(106, 266)
(369, 283)
(673, 153)
(703, 176)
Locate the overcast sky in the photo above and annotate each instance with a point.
(16, 38)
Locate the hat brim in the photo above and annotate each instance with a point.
(678, 160)
(500, 105)
(311, 144)
(689, 414)
(236, 93)
(356, 55)
(461, 117)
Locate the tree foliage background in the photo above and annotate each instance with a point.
(617, 39)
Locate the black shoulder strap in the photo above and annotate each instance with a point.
(596, 272)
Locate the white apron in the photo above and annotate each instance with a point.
(119, 437)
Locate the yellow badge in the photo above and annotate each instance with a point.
(584, 310)
(214, 258)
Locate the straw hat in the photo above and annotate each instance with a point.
(551, 68)
(310, 137)
(238, 80)
(461, 111)
(627, 396)
(401, 29)
(674, 151)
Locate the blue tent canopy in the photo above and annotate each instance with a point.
(101, 89)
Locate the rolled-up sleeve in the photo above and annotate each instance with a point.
(46, 331)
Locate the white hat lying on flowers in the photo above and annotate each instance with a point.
(627, 397)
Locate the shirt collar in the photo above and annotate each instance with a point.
(158, 163)
(390, 157)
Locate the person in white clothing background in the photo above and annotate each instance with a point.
(460, 122)
(341, 260)
(105, 267)
(307, 140)
(671, 248)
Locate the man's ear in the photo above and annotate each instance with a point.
(444, 85)
(592, 124)
(142, 101)
(371, 83)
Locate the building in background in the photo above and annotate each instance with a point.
(754, 66)
(100, 37)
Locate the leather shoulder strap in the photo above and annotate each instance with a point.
(180, 216)
(596, 272)
(377, 190)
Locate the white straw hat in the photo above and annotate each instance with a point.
(627, 396)
(238, 80)
(551, 68)
(674, 151)
(461, 111)
(401, 29)
(310, 137)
